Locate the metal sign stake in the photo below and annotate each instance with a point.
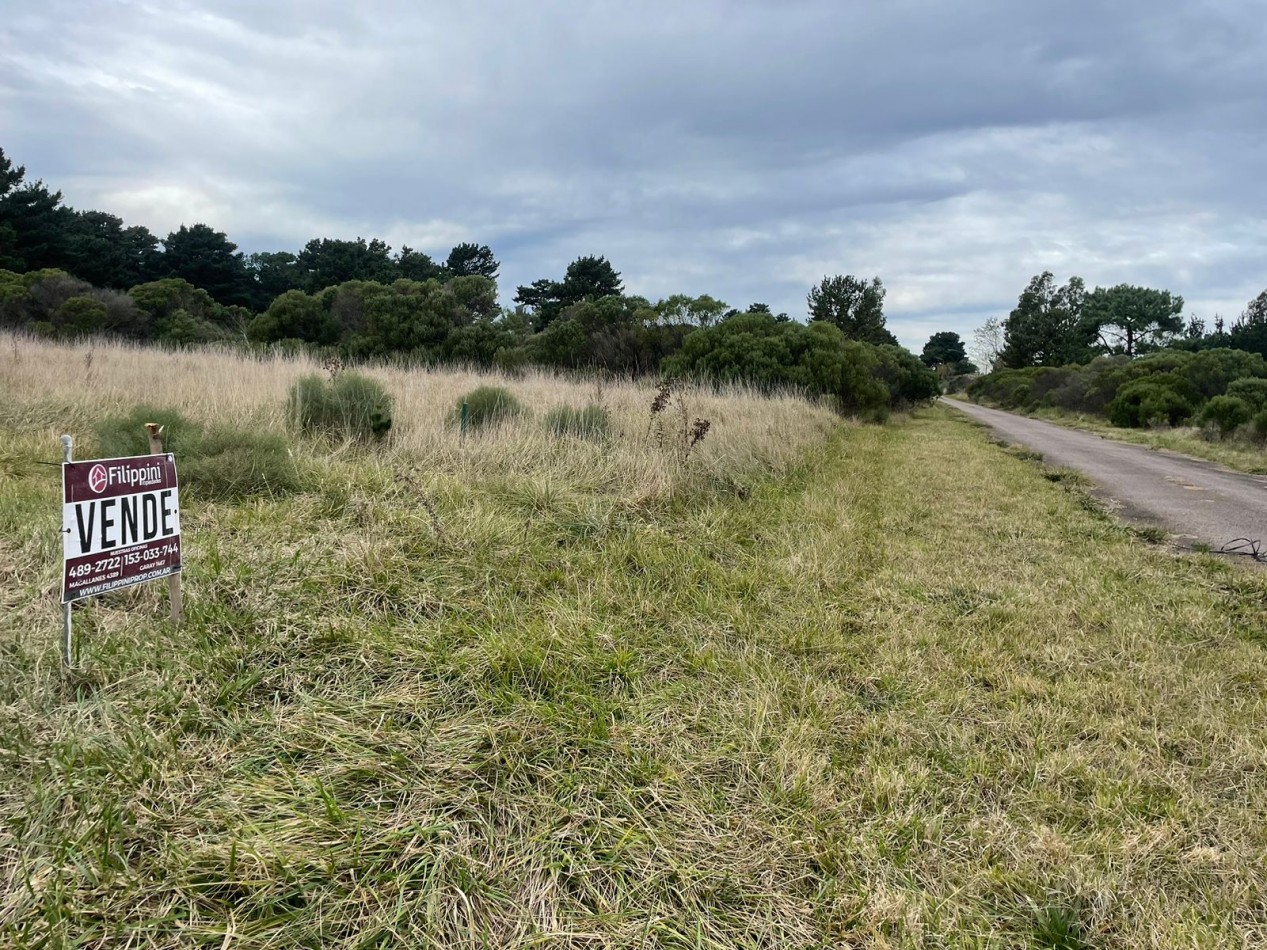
(67, 442)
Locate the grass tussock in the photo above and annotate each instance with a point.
(590, 422)
(221, 461)
(910, 693)
(347, 406)
(487, 407)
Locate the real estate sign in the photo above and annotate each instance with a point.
(120, 523)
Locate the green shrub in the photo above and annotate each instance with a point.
(909, 381)
(219, 463)
(487, 406)
(1252, 391)
(1145, 402)
(860, 390)
(592, 422)
(1227, 413)
(870, 380)
(513, 361)
(1048, 380)
(1168, 386)
(80, 315)
(815, 359)
(1212, 371)
(350, 406)
(879, 415)
(1009, 388)
(1258, 425)
(1097, 384)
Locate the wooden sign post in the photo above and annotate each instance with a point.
(154, 431)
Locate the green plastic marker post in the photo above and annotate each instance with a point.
(462, 429)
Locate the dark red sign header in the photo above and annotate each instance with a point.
(110, 478)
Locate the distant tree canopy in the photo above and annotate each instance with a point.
(1255, 313)
(586, 278)
(271, 273)
(415, 265)
(33, 225)
(1058, 326)
(1130, 319)
(325, 262)
(472, 260)
(66, 272)
(760, 308)
(1046, 328)
(699, 311)
(946, 350)
(100, 250)
(208, 259)
(38, 232)
(1249, 332)
(855, 306)
(987, 344)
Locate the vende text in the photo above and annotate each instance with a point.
(104, 524)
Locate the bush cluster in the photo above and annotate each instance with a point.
(1146, 403)
(1219, 388)
(861, 378)
(1226, 413)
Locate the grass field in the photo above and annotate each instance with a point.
(824, 686)
(54, 388)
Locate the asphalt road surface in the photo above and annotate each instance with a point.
(1198, 501)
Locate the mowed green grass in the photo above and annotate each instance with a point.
(915, 695)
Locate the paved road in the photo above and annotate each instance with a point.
(1198, 501)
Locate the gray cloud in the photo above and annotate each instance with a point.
(739, 148)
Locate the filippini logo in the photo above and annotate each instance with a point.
(101, 477)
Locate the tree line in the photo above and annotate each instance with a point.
(70, 273)
(39, 232)
(1066, 324)
(1126, 353)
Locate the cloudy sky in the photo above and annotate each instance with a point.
(733, 147)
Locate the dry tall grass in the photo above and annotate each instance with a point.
(70, 385)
